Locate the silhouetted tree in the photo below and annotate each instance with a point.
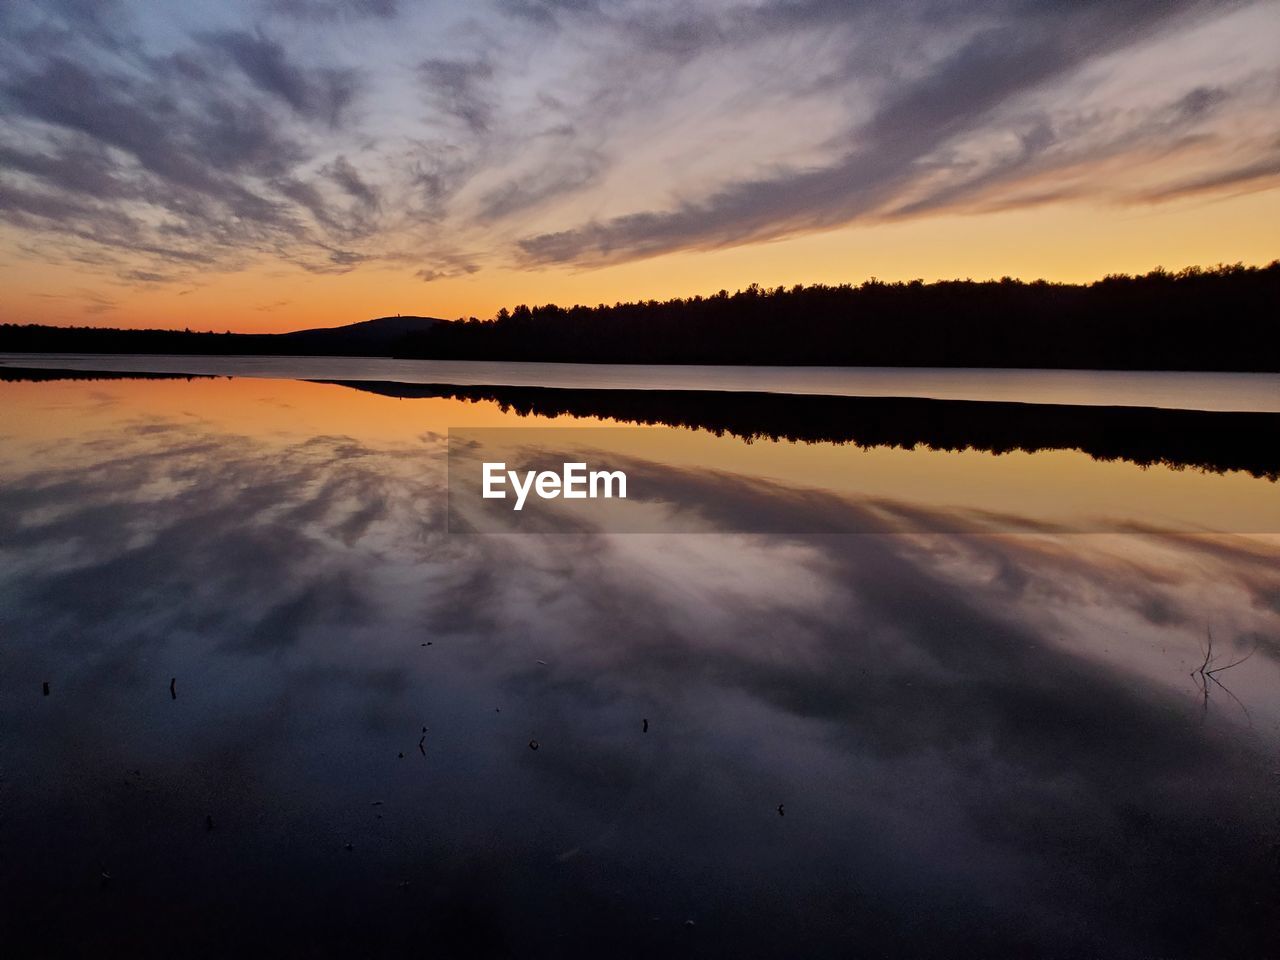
(1222, 318)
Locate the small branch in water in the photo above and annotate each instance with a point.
(1199, 675)
(1206, 674)
(1234, 664)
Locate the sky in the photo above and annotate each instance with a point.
(265, 165)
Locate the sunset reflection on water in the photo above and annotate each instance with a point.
(985, 742)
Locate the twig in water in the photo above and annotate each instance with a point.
(1206, 674)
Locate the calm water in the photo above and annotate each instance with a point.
(1195, 391)
(984, 742)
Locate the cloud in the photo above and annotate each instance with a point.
(348, 178)
(457, 88)
(1256, 175)
(566, 168)
(172, 164)
(447, 267)
(952, 97)
(548, 12)
(145, 276)
(1062, 150)
(322, 93)
(332, 135)
(325, 10)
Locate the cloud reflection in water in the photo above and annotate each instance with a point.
(985, 743)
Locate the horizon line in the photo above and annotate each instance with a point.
(870, 281)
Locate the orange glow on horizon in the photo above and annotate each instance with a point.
(1063, 242)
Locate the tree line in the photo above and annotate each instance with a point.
(1222, 318)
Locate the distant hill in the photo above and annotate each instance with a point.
(367, 338)
(381, 337)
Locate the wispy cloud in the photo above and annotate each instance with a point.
(340, 135)
(458, 88)
(321, 93)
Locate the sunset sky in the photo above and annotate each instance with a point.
(266, 165)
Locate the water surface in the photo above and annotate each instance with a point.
(1259, 392)
(984, 742)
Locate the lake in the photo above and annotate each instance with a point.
(1200, 391)
(883, 663)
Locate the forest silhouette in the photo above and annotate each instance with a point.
(1219, 319)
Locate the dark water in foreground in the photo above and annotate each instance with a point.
(985, 743)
